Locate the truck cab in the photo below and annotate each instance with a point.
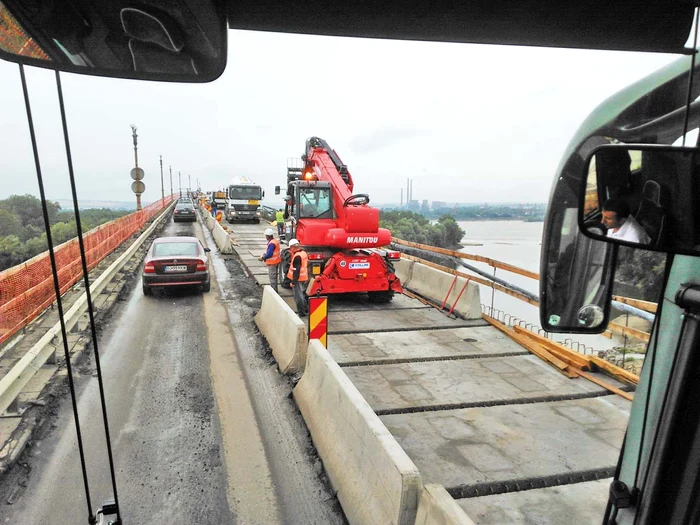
(243, 200)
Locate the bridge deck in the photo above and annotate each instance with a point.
(512, 439)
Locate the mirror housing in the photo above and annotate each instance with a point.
(277, 190)
(643, 196)
(178, 41)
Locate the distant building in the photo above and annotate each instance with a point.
(439, 204)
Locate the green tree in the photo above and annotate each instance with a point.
(9, 224)
(453, 233)
(28, 209)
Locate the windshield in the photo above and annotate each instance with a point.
(314, 202)
(244, 192)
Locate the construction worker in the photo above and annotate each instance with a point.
(272, 258)
(299, 276)
(279, 216)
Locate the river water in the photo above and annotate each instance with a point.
(517, 243)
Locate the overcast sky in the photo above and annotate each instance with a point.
(469, 123)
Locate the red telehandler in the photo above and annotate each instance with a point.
(337, 229)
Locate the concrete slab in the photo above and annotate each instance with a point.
(550, 506)
(369, 321)
(32, 390)
(463, 447)
(356, 302)
(7, 427)
(483, 380)
(426, 344)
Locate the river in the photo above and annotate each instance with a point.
(517, 243)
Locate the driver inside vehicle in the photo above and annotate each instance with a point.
(620, 224)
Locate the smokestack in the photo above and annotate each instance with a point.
(401, 198)
(411, 197)
(408, 191)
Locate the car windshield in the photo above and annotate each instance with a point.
(165, 249)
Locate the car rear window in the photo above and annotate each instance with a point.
(184, 206)
(165, 249)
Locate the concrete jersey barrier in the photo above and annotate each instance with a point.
(434, 285)
(284, 332)
(437, 507)
(376, 482)
(221, 237)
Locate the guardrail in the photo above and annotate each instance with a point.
(636, 307)
(27, 289)
(20, 374)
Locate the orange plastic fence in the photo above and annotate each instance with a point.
(27, 289)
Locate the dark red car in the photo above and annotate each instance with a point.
(176, 261)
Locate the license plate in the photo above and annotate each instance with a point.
(315, 270)
(253, 202)
(176, 268)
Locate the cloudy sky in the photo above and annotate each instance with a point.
(469, 123)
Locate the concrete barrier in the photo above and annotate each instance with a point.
(404, 270)
(437, 507)
(376, 482)
(284, 332)
(222, 239)
(434, 285)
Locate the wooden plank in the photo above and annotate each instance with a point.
(607, 386)
(567, 355)
(479, 258)
(474, 278)
(628, 331)
(533, 347)
(617, 372)
(647, 306)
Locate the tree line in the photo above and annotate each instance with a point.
(22, 230)
(411, 226)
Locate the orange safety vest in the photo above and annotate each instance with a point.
(276, 257)
(303, 272)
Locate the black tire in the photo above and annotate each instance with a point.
(206, 286)
(146, 289)
(383, 297)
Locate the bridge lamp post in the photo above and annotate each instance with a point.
(171, 180)
(162, 188)
(137, 173)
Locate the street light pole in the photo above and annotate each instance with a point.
(189, 183)
(179, 182)
(137, 173)
(162, 188)
(171, 180)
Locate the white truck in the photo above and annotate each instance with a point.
(243, 200)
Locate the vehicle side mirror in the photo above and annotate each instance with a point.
(644, 196)
(207, 249)
(263, 194)
(277, 190)
(181, 41)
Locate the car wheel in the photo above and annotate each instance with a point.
(147, 289)
(206, 286)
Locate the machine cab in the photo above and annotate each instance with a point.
(309, 200)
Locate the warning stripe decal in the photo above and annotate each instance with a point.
(318, 319)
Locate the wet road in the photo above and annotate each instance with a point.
(203, 426)
(164, 425)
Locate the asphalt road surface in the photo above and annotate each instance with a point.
(191, 444)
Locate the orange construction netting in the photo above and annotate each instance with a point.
(27, 289)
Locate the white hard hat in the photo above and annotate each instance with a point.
(269, 232)
(293, 242)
